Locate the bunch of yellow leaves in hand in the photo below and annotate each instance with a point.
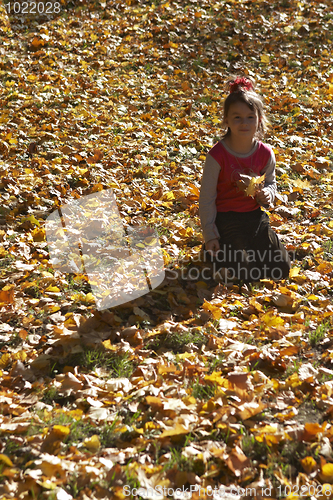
(250, 185)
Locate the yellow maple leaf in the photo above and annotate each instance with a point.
(38, 235)
(250, 184)
(178, 430)
(93, 443)
(5, 460)
(294, 272)
(329, 90)
(216, 378)
(107, 344)
(53, 289)
(254, 185)
(60, 431)
(5, 359)
(215, 310)
(308, 464)
(270, 320)
(326, 473)
(265, 58)
(20, 356)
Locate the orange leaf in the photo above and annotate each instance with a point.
(154, 401)
(237, 461)
(311, 430)
(289, 351)
(324, 268)
(98, 155)
(37, 43)
(7, 295)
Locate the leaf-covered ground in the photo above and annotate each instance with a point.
(195, 383)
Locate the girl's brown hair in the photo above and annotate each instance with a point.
(242, 90)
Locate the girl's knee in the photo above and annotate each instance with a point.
(286, 269)
(281, 271)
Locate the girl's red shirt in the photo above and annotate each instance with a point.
(229, 196)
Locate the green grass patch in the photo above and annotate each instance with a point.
(201, 391)
(179, 462)
(317, 335)
(177, 342)
(80, 428)
(118, 365)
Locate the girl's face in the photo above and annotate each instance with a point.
(242, 121)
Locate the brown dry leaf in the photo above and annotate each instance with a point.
(248, 410)
(70, 384)
(237, 461)
(240, 380)
(311, 431)
(15, 427)
(98, 155)
(282, 300)
(287, 212)
(33, 147)
(289, 351)
(155, 402)
(55, 436)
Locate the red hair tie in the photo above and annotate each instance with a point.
(240, 83)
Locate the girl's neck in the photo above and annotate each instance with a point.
(243, 147)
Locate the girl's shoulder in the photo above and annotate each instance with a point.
(217, 151)
(260, 150)
(264, 149)
(217, 147)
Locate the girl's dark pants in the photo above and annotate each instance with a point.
(249, 248)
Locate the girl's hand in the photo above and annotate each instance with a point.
(263, 197)
(212, 246)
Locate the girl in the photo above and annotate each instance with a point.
(236, 230)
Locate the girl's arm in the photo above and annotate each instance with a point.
(270, 181)
(212, 246)
(208, 191)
